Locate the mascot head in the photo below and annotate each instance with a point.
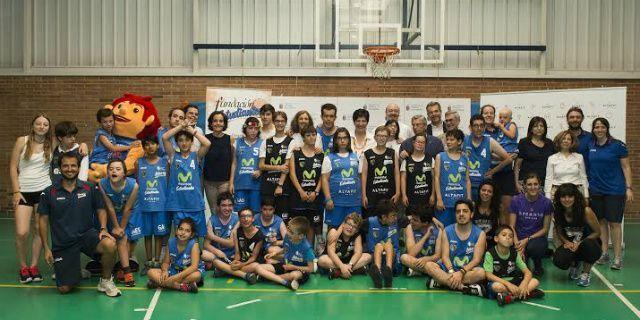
(135, 116)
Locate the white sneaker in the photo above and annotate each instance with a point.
(108, 287)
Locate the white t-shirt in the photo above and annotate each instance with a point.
(263, 145)
(327, 167)
(297, 143)
(266, 134)
(369, 143)
(196, 143)
(405, 131)
(403, 166)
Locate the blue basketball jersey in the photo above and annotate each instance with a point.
(152, 184)
(223, 230)
(379, 233)
(479, 158)
(247, 158)
(185, 188)
(297, 254)
(429, 247)
(327, 141)
(344, 180)
(509, 144)
(271, 231)
(452, 179)
(461, 251)
(181, 260)
(119, 198)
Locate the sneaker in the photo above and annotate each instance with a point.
(387, 275)
(411, 273)
(432, 283)
(535, 294)
(574, 274)
(146, 267)
(376, 276)
(151, 285)
(584, 280)
(189, 287)
(504, 299)
(53, 276)
(616, 265)
(604, 259)
(200, 282)
(35, 274)
(293, 285)
(86, 274)
(251, 278)
(128, 280)
(108, 287)
(25, 276)
(474, 290)
(334, 273)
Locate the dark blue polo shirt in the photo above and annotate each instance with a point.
(584, 140)
(605, 171)
(71, 214)
(431, 150)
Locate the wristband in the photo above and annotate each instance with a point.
(327, 200)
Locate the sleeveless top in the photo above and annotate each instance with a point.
(381, 181)
(247, 157)
(223, 230)
(33, 173)
(452, 179)
(152, 184)
(461, 250)
(344, 180)
(217, 161)
(479, 158)
(185, 188)
(181, 260)
(246, 245)
(308, 172)
(429, 247)
(276, 154)
(504, 268)
(119, 198)
(271, 231)
(419, 180)
(345, 248)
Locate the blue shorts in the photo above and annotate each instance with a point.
(172, 271)
(247, 198)
(155, 223)
(333, 218)
(447, 216)
(133, 229)
(397, 265)
(197, 216)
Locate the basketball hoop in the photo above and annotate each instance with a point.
(381, 60)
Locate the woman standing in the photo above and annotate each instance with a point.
(219, 159)
(29, 172)
(533, 151)
(416, 179)
(361, 139)
(579, 231)
(566, 166)
(609, 186)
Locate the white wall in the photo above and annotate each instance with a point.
(585, 38)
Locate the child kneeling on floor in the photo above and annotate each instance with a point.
(182, 267)
(507, 274)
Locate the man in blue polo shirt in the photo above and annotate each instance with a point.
(575, 116)
(69, 206)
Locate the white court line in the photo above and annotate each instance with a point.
(243, 303)
(140, 309)
(387, 288)
(616, 292)
(152, 304)
(541, 305)
(308, 292)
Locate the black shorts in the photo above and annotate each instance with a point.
(67, 260)
(315, 217)
(608, 207)
(32, 198)
(505, 180)
(283, 209)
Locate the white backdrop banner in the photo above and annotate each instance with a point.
(552, 105)
(237, 104)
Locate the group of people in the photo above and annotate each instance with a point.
(468, 211)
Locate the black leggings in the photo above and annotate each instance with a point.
(588, 251)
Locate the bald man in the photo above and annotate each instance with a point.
(392, 112)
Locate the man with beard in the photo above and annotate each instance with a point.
(575, 116)
(69, 206)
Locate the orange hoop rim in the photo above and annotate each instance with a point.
(379, 54)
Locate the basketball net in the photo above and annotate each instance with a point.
(381, 60)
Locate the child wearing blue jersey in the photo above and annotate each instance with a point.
(184, 196)
(383, 244)
(152, 181)
(119, 194)
(181, 268)
(463, 246)
(422, 239)
(271, 225)
(244, 182)
(247, 249)
(219, 241)
(451, 177)
(341, 180)
(104, 144)
(295, 258)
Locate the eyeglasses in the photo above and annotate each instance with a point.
(342, 138)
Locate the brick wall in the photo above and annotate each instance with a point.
(77, 98)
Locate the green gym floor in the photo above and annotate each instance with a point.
(612, 295)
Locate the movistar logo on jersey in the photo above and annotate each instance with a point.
(460, 262)
(454, 178)
(248, 162)
(347, 173)
(274, 161)
(154, 183)
(421, 178)
(474, 165)
(184, 177)
(309, 174)
(380, 171)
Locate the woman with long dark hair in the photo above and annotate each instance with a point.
(533, 151)
(487, 210)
